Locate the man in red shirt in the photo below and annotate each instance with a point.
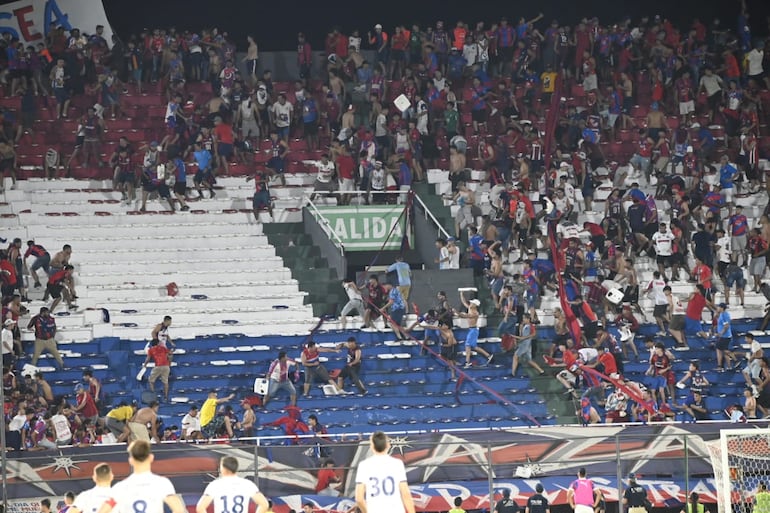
(225, 140)
(60, 285)
(162, 369)
(328, 480)
(86, 406)
(346, 169)
(7, 275)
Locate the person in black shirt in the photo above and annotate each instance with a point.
(538, 503)
(635, 496)
(506, 504)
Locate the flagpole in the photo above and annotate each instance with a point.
(3, 457)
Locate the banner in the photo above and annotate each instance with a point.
(365, 227)
(30, 21)
(439, 466)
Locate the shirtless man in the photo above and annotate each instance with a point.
(355, 56)
(144, 417)
(448, 348)
(160, 333)
(631, 292)
(562, 335)
(456, 162)
(656, 122)
(251, 59)
(495, 273)
(61, 259)
(336, 85)
(471, 340)
(349, 120)
(43, 389)
(58, 262)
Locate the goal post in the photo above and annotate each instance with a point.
(741, 461)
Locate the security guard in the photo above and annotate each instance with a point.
(635, 496)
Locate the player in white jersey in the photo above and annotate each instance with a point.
(231, 493)
(381, 485)
(142, 491)
(92, 500)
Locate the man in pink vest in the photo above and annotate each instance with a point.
(582, 495)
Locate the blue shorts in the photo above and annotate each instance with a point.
(276, 164)
(691, 326)
(735, 279)
(397, 315)
(432, 335)
(656, 382)
(472, 339)
(261, 199)
(283, 132)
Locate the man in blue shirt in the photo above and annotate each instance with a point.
(477, 251)
(310, 123)
(404, 273)
(397, 311)
(203, 175)
(727, 174)
(706, 141)
(724, 339)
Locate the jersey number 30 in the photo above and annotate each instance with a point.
(386, 486)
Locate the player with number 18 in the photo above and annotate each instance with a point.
(231, 493)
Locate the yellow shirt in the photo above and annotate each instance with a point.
(208, 411)
(121, 413)
(762, 502)
(548, 79)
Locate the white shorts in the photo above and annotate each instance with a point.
(249, 127)
(727, 194)
(582, 508)
(568, 377)
(347, 185)
(590, 83)
(686, 107)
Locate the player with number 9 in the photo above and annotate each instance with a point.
(142, 491)
(231, 493)
(381, 485)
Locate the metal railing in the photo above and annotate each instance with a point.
(429, 215)
(671, 458)
(325, 224)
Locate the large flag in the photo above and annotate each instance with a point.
(29, 21)
(569, 315)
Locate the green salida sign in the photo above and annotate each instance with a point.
(366, 227)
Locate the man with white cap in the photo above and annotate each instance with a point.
(7, 341)
(472, 338)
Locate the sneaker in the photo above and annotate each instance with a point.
(467, 365)
(185, 208)
(661, 334)
(37, 285)
(212, 194)
(73, 307)
(754, 391)
(489, 360)
(569, 391)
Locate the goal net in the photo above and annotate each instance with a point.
(741, 461)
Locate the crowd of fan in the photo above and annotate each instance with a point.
(478, 98)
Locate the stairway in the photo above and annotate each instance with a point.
(307, 266)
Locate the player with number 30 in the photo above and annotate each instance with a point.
(381, 485)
